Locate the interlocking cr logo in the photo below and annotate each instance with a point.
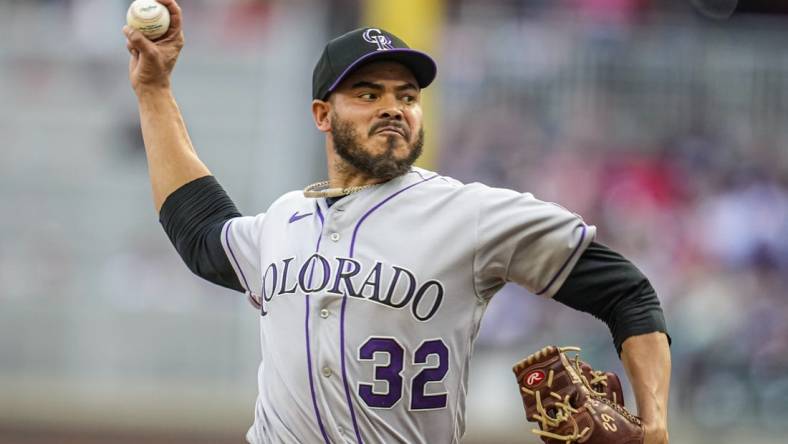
(534, 378)
(374, 36)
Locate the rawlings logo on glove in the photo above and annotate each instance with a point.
(572, 402)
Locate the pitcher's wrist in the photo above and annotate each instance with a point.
(655, 432)
(153, 91)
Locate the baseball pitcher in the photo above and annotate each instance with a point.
(370, 286)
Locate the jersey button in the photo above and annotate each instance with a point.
(327, 372)
(341, 430)
(324, 313)
(334, 237)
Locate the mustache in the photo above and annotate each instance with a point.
(391, 123)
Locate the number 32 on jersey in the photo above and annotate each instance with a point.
(390, 373)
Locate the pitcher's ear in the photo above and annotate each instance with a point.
(320, 113)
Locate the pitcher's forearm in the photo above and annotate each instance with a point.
(646, 359)
(172, 161)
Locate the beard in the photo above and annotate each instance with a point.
(383, 166)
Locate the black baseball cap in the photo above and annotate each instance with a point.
(350, 51)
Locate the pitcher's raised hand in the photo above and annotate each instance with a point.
(151, 63)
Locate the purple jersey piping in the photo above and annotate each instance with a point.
(569, 259)
(308, 348)
(237, 265)
(371, 210)
(344, 302)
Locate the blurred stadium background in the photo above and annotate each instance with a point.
(666, 130)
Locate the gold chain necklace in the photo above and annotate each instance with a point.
(319, 190)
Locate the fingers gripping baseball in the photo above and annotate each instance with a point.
(151, 62)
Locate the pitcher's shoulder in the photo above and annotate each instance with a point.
(433, 180)
(292, 200)
(436, 182)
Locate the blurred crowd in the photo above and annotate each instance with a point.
(700, 206)
(710, 235)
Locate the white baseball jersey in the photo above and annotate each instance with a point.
(370, 307)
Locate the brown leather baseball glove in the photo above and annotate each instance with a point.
(572, 402)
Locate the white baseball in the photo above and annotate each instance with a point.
(150, 17)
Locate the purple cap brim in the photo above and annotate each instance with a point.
(422, 65)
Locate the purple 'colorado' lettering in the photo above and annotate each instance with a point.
(411, 286)
(274, 276)
(399, 285)
(422, 291)
(373, 281)
(282, 290)
(345, 276)
(326, 274)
